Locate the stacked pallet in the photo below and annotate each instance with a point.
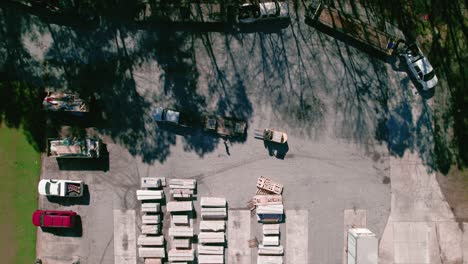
(179, 207)
(270, 211)
(143, 195)
(151, 242)
(153, 183)
(212, 230)
(178, 255)
(181, 230)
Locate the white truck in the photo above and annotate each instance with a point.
(363, 246)
(61, 188)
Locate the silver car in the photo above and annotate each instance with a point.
(420, 67)
(255, 12)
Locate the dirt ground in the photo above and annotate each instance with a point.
(454, 186)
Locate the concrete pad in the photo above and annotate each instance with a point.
(386, 250)
(124, 237)
(411, 242)
(352, 219)
(450, 242)
(297, 234)
(465, 243)
(238, 236)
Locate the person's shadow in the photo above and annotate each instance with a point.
(227, 146)
(276, 149)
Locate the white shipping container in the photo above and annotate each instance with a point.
(362, 246)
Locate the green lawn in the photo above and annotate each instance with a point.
(19, 174)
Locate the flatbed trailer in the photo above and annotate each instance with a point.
(224, 126)
(352, 27)
(64, 102)
(74, 148)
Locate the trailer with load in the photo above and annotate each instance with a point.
(323, 15)
(224, 126)
(74, 148)
(64, 102)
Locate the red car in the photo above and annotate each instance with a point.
(50, 218)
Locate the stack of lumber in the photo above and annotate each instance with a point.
(150, 240)
(182, 184)
(152, 183)
(153, 261)
(174, 207)
(212, 226)
(271, 240)
(181, 243)
(270, 209)
(151, 252)
(180, 231)
(267, 199)
(210, 250)
(270, 250)
(213, 213)
(181, 193)
(269, 203)
(181, 255)
(149, 195)
(150, 229)
(151, 219)
(269, 259)
(271, 229)
(180, 220)
(213, 202)
(210, 259)
(151, 207)
(211, 238)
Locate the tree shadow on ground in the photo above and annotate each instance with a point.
(103, 63)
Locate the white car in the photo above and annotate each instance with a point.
(251, 13)
(420, 67)
(62, 188)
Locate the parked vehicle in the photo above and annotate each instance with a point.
(274, 136)
(165, 115)
(224, 126)
(66, 102)
(74, 148)
(62, 188)
(420, 67)
(323, 15)
(256, 12)
(52, 218)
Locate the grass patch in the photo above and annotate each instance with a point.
(19, 167)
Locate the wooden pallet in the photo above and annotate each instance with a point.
(269, 185)
(263, 192)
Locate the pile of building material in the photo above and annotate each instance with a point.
(270, 212)
(212, 235)
(180, 255)
(182, 188)
(151, 242)
(181, 229)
